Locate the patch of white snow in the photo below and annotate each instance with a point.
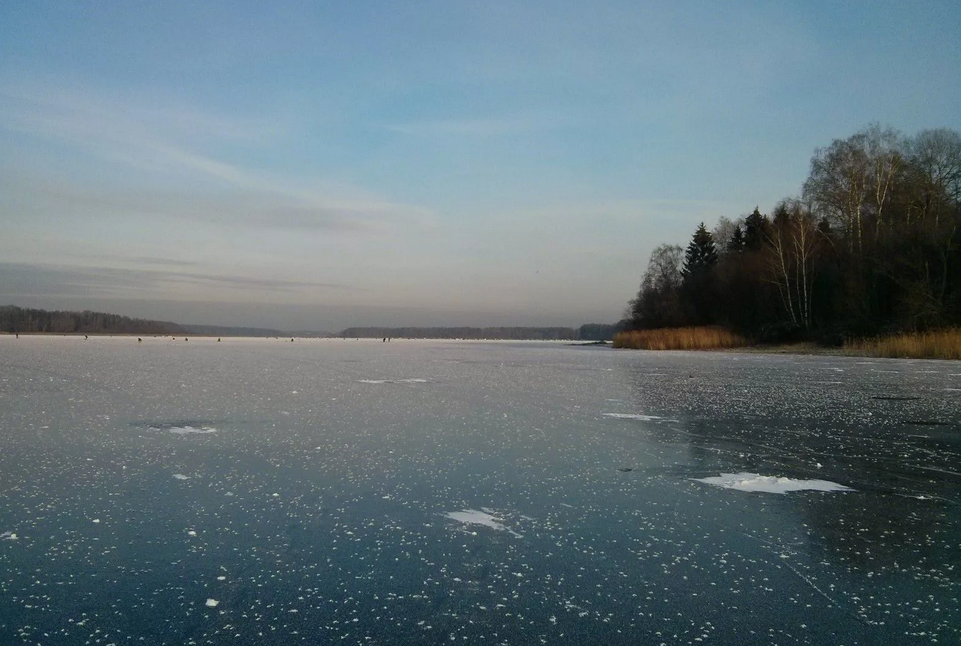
(754, 482)
(475, 517)
(191, 430)
(641, 418)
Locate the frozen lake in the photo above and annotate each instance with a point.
(360, 492)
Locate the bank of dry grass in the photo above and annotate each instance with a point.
(684, 338)
(937, 344)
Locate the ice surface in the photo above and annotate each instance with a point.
(619, 546)
(769, 484)
(476, 517)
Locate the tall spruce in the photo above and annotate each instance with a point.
(755, 230)
(701, 254)
(698, 292)
(736, 243)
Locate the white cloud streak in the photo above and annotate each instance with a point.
(170, 141)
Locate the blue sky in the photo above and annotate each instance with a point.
(314, 165)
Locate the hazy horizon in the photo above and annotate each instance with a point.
(302, 319)
(307, 167)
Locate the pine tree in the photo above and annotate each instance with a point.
(755, 230)
(698, 293)
(736, 243)
(701, 254)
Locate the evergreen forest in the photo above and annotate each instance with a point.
(871, 246)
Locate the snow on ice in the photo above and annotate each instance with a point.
(476, 517)
(769, 484)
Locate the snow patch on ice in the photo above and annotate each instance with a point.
(8, 536)
(642, 418)
(180, 476)
(769, 484)
(476, 517)
(211, 603)
(393, 381)
(191, 430)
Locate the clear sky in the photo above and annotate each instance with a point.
(315, 165)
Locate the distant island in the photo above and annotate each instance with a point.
(19, 320)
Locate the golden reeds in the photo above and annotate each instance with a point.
(684, 338)
(937, 344)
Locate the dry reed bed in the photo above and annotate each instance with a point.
(684, 338)
(937, 344)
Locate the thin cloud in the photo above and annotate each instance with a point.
(25, 279)
(170, 141)
(37, 197)
(480, 127)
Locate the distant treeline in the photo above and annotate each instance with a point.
(223, 330)
(18, 320)
(872, 246)
(588, 332)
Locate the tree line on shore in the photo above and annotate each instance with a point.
(587, 332)
(18, 320)
(871, 246)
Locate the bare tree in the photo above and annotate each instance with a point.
(794, 244)
(723, 232)
(884, 151)
(838, 185)
(658, 301)
(935, 172)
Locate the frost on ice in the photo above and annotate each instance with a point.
(769, 484)
(475, 517)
